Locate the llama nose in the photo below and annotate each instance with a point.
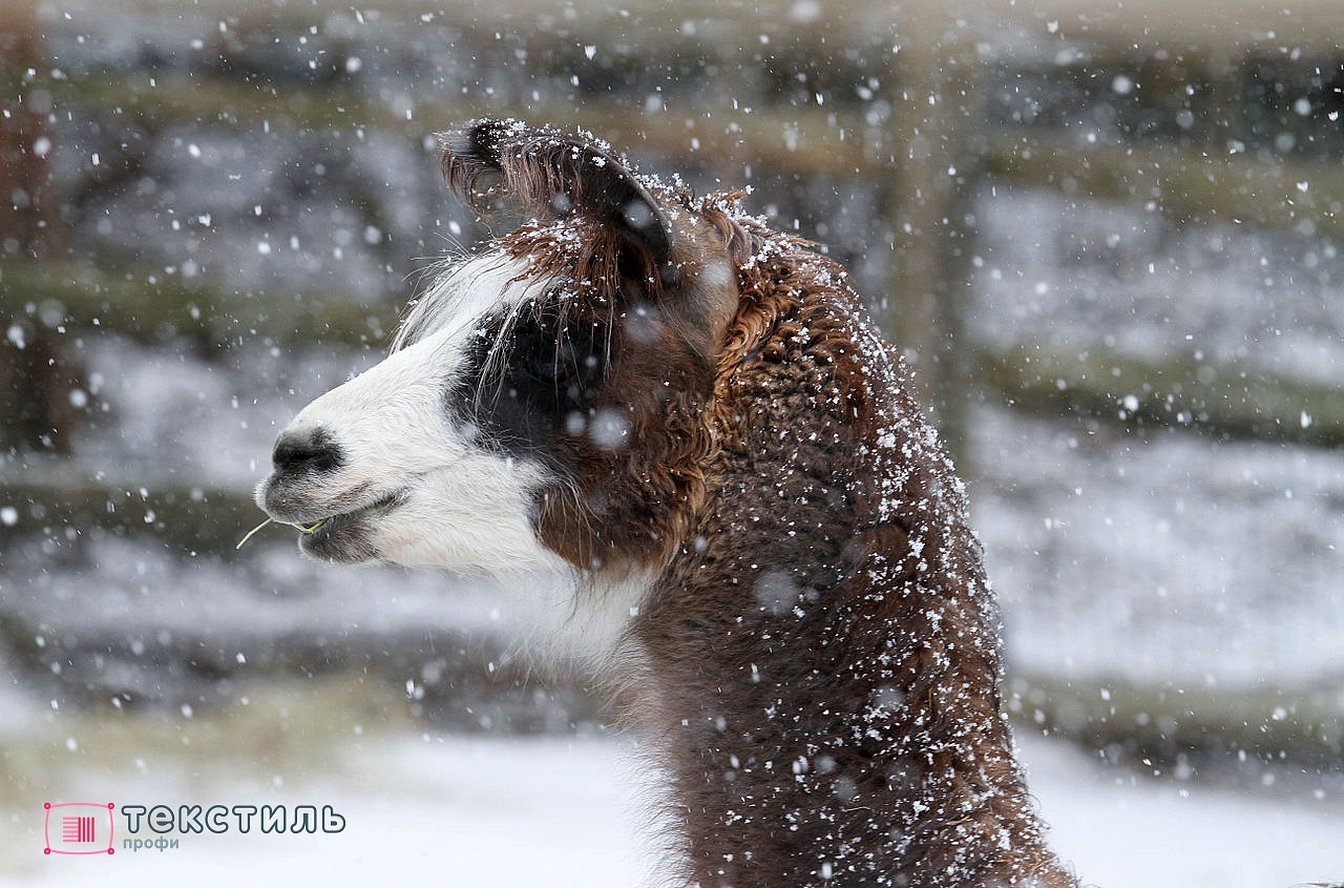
(308, 451)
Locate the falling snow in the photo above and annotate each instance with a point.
(214, 218)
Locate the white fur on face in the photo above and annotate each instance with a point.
(455, 504)
(460, 506)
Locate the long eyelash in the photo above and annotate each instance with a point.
(611, 326)
(496, 357)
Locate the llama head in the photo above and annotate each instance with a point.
(543, 403)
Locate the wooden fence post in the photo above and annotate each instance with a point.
(34, 384)
(935, 164)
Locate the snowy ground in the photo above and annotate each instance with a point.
(562, 812)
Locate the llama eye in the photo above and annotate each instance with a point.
(549, 368)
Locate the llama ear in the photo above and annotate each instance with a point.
(552, 175)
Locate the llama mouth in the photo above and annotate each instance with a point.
(332, 523)
(344, 536)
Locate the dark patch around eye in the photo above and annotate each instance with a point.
(518, 399)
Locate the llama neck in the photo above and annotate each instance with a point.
(823, 648)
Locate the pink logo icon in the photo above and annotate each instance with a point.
(78, 828)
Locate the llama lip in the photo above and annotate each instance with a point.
(330, 523)
(344, 536)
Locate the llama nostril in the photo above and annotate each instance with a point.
(314, 451)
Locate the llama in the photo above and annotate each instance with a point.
(683, 426)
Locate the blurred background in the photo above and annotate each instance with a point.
(1107, 237)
